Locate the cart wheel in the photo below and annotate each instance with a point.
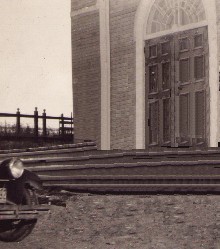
(17, 230)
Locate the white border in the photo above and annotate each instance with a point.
(141, 18)
(105, 73)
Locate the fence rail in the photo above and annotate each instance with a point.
(66, 129)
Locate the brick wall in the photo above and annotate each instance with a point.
(122, 16)
(86, 73)
(86, 76)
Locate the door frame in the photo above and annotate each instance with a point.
(141, 19)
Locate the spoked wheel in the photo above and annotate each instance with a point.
(17, 230)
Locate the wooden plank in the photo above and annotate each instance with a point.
(37, 153)
(136, 154)
(128, 177)
(49, 148)
(126, 165)
(144, 186)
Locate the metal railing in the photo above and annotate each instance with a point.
(65, 129)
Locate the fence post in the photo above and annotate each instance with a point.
(62, 125)
(44, 123)
(36, 122)
(18, 122)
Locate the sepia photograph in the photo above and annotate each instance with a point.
(110, 124)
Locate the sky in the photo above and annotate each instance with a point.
(35, 56)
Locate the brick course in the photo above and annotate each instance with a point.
(123, 87)
(86, 76)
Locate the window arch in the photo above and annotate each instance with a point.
(169, 14)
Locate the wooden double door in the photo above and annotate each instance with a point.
(177, 89)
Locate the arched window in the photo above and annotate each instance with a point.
(169, 14)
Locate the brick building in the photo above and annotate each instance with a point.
(146, 72)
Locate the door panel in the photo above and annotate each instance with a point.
(199, 67)
(154, 123)
(177, 87)
(153, 79)
(166, 76)
(184, 70)
(159, 68)
(200, 116)
(166, 120)
(184, 119)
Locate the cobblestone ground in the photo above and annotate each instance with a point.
(128, 221)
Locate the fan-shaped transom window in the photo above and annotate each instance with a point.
(169, 14)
